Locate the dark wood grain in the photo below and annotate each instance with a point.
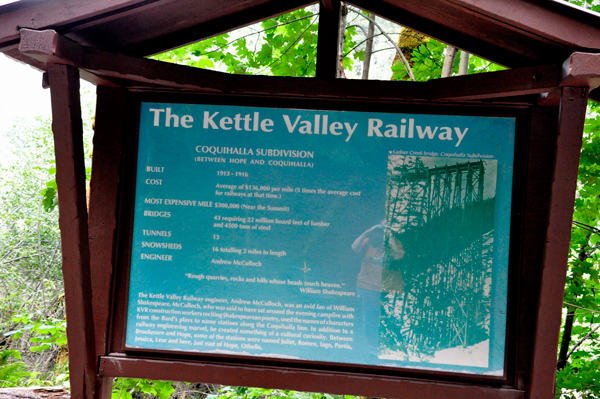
(49, 46)
(305, 380)
(562, 197)
(73, 220)
(103, 215)
(539, 149)
(515, 33)
(582, 70)
(512, 82)
(327, 46)
(35, 14)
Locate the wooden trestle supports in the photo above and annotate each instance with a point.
(90, 364)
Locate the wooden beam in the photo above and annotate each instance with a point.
(196, 20)
(326, 4)
(573, 106)
(529, 240)
(327, 45)
(42, 14)
(480, 36)
(554, 21)
(582, 70)
(73, 220)
(512, 82)
(515, 33)
(138, 27)
(39, 48)
(307, 380)
(53, 47)
(103, 214)
(108, 69)
(484, 33)
(49, 46)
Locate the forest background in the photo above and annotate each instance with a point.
(32, 319)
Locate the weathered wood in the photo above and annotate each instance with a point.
(57, 48)
(73, 221)
(512, 82)
(195, 20)
(327, 4)
(515, 33)
(582, 70)
(299, 379)
(49, 46)
(327, 45)
(39, 48)
(470, 31)
(42, 14)
(555, 21)
(139, 27)
(35, 393)
(527, 241)
(562, 197)
(103, 214)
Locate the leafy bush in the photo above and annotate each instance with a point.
(12, 374)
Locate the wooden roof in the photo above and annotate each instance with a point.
(514, 33)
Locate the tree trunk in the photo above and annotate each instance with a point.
(566, 338)
(463, 67)
(449, 61)
(341, 39)
(369, 48)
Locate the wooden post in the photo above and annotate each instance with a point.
(327, 44)
(573, 104)
(70, 180)
(104, 189)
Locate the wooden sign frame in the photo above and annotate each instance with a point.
(552, 99)
(534, 272)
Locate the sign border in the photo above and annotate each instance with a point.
(123, 250)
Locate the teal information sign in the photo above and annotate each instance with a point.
(333, 236)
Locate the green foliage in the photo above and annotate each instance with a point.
(124, 388)
(30, 251)
(12, 374)
(429, 59)
(592, 5)
(579, 380)
(50, 193)
(261, 393)
(43, 332)
(282, 46)
(29, 236)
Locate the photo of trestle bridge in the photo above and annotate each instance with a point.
(442, 210)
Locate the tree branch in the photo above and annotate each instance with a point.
(588, 335)
(368, 50)
(586, 227)
(404, 61)
(257, 32)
